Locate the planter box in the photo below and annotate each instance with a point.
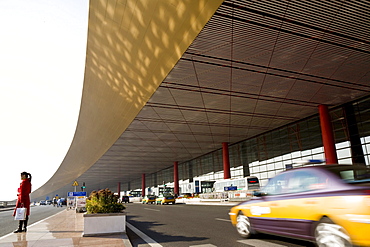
(104, 224)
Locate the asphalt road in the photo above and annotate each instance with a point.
(8, 224)
(178, 225)
(183, 225)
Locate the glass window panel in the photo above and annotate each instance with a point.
(318, 156)
(254, 170)
(296, 154)
(279, 165)
(278, 158)
(287, 156)
(344, 153)
(345, 161)
(317, 150)
(342, 145)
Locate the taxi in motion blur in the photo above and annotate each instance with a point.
(165, 199)
(325, 204)
(148, 199)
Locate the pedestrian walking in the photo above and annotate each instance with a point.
(23, 200)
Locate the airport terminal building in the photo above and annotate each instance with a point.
(177, 93)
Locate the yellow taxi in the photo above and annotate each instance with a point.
(148, 199)
(325, 204)
(165, 199)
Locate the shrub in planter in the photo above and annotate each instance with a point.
(103, 201)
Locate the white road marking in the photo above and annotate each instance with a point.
(203, 245)
(257, 242)
(152, 209)
(223, 219)
(143, 236)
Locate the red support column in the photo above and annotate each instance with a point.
(225, 158)
(119, 189)
(327, 135)
(176, 177)
(143, 184)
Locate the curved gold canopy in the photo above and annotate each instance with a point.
(131, 48)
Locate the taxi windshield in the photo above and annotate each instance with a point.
(298, 181)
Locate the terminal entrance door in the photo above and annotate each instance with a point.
(207, 186)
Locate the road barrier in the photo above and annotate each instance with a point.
(238, 195)
(5, 204)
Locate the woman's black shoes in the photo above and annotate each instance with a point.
(19, 230)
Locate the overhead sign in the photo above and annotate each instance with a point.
(75, 183)
(78, 193)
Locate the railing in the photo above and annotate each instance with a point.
(239, 195)
(214, 195)
(5, 204)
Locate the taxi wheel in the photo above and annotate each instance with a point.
(243, 225)
(327, 233)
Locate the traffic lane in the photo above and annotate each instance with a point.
(192, 225)
(171, 225)
(8, 224)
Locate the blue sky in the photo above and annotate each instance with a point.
(42, 63)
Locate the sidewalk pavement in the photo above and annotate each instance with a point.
(62, 229)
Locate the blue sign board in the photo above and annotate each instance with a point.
(230, 188)
(78, 193)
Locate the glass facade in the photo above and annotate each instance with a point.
(270, 153)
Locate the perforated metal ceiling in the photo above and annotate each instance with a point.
(256, 66)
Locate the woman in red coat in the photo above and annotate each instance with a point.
(24, 200)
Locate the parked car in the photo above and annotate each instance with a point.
(326, 204)
(42, 202)
(125, 199)
(165, 199)
(148, 199)
(63, 201)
